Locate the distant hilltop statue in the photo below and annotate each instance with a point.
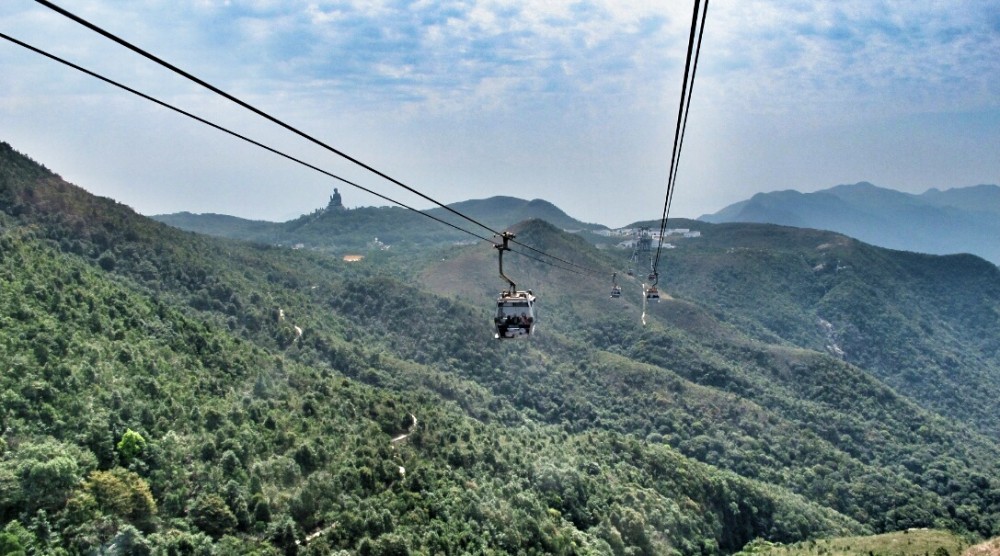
(335, 201)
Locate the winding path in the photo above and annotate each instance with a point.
(408, 432)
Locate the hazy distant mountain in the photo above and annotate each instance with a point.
(978, 198)
(961, 220)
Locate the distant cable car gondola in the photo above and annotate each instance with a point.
(515, 316)
(652, 293)
(616, 290)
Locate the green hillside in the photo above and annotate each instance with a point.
(268, 390)
(923, 324)
(779, 413)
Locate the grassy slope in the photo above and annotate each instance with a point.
(988, 548)
(913, 542)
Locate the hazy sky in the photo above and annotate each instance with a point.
(569, 101)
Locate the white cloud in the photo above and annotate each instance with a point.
(559, 97)
(864, 57)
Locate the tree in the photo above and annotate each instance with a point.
(283, 535)
(15, 539)
(261, 509)
(131, 445)
(130, 540)
(124, 494)
(47, 484)
(107, 261)
(211, 514)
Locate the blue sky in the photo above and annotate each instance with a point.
(573, 102)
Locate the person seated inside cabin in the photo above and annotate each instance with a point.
(502, 322)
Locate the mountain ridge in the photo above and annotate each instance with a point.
(956, 220)
(353, 229)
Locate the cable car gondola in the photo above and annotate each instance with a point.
(515, 316)
(616, 290)
(653, 294)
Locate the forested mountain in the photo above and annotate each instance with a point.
(960, 220)
(500, 212)
(221, 225)
(167, 392)
(339, 230)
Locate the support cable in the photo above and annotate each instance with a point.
(687, 111)
(232, 133)
(289, 127)
(687, 87)
(148, 55)
(265, 147)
